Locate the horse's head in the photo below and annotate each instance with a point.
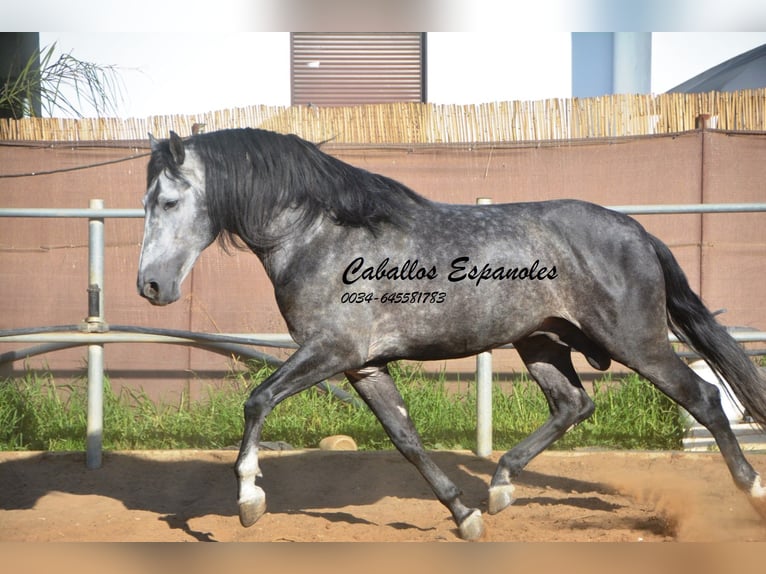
(176, 226)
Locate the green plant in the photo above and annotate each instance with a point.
(62, 84)
(36, 414)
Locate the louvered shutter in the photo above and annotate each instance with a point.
(351, 68)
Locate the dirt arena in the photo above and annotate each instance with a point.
(359, 496)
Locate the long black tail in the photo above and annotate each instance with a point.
(693, 323)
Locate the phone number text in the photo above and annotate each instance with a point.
(411, 297)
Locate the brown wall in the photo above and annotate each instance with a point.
(44, 261)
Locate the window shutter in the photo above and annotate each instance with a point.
(330, 69)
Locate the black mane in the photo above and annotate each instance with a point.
(251, 175)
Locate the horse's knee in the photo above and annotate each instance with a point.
(257, 405)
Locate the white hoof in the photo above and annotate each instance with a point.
(757, 490)
(252, 507)
(500, 497)
(472, 526)
(758, 497)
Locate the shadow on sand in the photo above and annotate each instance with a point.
(183, 485)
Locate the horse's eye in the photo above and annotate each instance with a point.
(168, 205)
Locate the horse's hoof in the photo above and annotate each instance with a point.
(252, 509)
(758, 497)
(472, 526)
(500, 497)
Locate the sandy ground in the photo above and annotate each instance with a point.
(358, 496)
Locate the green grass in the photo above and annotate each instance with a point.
(37, 414)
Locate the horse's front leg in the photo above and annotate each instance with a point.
(375, 385)
(310, 364)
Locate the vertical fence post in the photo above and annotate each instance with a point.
(95, 321)
(484, 391)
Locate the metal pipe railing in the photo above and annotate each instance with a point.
(690, 208)
(113, 335)
(98, 331)
(678, 208)
(95, 321)
(484, 390)
(73, 212)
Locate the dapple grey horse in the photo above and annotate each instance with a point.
(365, 272)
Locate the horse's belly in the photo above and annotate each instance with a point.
(430, 336)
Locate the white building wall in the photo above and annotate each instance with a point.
(190, 73)
(470, 68)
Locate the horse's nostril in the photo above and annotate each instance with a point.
(151, 290)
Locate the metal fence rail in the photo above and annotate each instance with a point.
(104, 213)
(94, 332)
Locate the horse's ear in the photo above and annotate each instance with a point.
(153, 143)
(177, 148)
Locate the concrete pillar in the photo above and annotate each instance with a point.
(632, 63)
(611, 63)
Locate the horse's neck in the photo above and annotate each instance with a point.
(297, 239)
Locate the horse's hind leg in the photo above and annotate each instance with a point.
(673, 377)
(376, 387)
(550, 364)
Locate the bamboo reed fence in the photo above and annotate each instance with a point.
(512, 121)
